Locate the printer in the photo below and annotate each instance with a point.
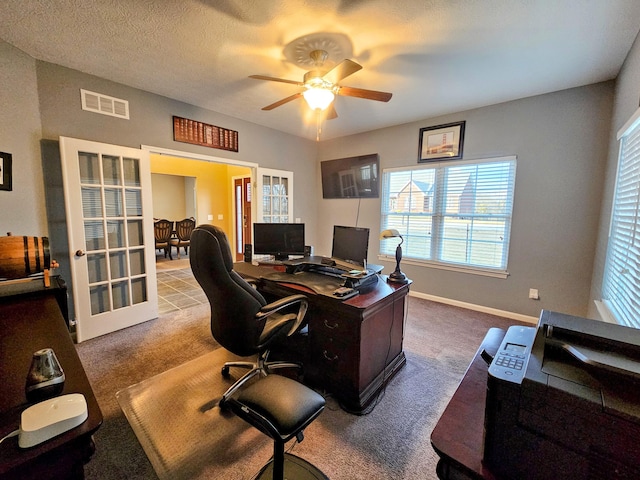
(563, 401)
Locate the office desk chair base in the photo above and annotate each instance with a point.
(295, 468)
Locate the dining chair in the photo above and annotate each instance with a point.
(163, 229)
(182, 236)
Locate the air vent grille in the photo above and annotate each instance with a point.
(104, 104)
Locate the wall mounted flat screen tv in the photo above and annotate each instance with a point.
(278, 239)
(351, 177)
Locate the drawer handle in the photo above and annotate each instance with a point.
(332, 358)
(335, 325)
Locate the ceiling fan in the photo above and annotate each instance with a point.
(321, 87)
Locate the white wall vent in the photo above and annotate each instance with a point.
(104, 104)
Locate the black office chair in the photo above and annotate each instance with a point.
(241, 320)
(281, 408)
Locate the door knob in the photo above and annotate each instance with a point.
(80, 253)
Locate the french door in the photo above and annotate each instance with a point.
(107, 192)
(275, 199)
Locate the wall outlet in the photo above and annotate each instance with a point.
(220, 216)
(210, 217)
(533, 294)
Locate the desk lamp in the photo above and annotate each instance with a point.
(397, 276)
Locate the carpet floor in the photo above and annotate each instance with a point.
(392, 442)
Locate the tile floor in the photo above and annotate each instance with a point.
(177, 289)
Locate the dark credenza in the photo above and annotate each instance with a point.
(353, 347)
(30, 322)
(458, 437)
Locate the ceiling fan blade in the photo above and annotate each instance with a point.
(331, 112)
(362, 93)
(342, 70)
(274, 79)
(282, 102)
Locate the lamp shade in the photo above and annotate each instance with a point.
(389, 233)
(318, 98)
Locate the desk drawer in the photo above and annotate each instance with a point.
(333, 337)
(335, 363)
(340, 327)
(335, 348)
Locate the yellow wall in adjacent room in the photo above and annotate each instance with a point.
(213, 186)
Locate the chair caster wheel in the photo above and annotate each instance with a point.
(225, 372)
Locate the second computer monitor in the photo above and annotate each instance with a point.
(350, 244)
(278, 239)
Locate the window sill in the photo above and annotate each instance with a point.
(451, 268)
(606, 315)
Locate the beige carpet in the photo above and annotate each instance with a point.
(185, 435)
(392, 442)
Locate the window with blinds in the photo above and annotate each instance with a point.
(451, 213)
(621, 283)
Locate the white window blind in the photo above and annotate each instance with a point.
(621, 284)
(452, 213)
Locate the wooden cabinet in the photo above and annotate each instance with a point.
(29, 322)
(458, 437)
(355, 345)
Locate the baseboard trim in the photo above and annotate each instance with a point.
(476, 308)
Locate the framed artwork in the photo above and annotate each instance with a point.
(442, 142)
(198, 133)
(5, 171)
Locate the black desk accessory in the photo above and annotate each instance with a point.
(46, 377)
(396, 276)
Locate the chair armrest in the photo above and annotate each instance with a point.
(286, 302)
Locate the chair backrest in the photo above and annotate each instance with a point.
(234, 303)
(184, 229)
(162, 230)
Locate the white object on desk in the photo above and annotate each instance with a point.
(50, 418)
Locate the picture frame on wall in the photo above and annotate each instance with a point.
(5, 171)
(441, 142)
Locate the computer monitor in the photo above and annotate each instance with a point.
(278, 239)
(350, 244)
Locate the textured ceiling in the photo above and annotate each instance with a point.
(435, 56)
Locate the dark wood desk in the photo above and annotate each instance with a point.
(458, 437)
(29, 323)
(354, 346)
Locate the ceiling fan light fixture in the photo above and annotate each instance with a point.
(318, 98)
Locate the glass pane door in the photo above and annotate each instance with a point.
(112, 216)
(276, 196)
(108, 198)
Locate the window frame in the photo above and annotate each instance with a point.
(439, 214)
(618, 275)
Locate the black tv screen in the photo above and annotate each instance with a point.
(278, 239)
(350, 244)
(351, 177)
